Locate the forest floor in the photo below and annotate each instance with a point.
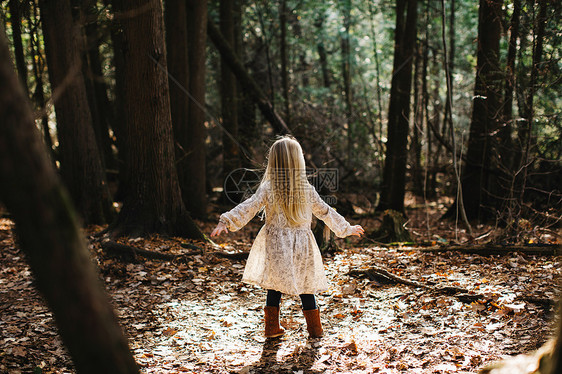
(197, 317)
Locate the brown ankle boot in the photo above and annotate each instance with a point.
(272, 328)
(313, 324)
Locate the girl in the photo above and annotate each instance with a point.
(285, 257)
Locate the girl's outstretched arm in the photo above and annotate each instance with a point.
(240, 215)
(333, 219)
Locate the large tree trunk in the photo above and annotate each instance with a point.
(153, 203)
(15, 17)
(477, 180)
(193, 181)
(49, 236)
(394, 174)
(229, 98)
(81, 167)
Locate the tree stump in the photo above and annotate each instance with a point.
(392, 228)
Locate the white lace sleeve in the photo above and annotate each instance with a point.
(326, 213)
(240, 215)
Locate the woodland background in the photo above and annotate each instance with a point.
(131, 114)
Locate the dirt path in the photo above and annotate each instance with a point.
(199, 318)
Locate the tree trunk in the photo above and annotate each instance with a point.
(153, 203)
(416, 143)
(283, 56)
(322, 54)
(248, 131)
(229, 98)
(346, 75)
(506, 150)
(94, 74)
(51, 238)
(525, 132)
(14, 7)
(38, 67)
(448, 116)
(194, 180)
(245, 80)
(118, 44)
(476, 177)
(81, 167)
(394, 174)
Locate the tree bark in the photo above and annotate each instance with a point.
(51, 238)
(229, 94)
(81, 166)
(394, 173)
(117, 42)
(38, 63)
(346, 75)
(153, 203)
(322, 54)
(245, 80)
(186, 30)
(477, 181)
(284, 62)
(193, 181)
(506, 150)
(101, 107)
(525, 132)
(14, 7)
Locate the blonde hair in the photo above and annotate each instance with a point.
(286, 172)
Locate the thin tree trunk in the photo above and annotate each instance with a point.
(525, 133)
(245, 80)
(104, 115)
(418, 117)
(194, 180)
(81, 167)
(14, 7)
(153, 203)
(346, 75)
(247, 124)
(448, 115)
(120, 123)
(322, 55)
(394, 174)
(229, 99)
(51, 238)
(38, 63)
(283, 56)
(377, 67)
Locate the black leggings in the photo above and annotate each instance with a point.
(274, 298)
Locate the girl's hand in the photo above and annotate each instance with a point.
(219, 229)
(357, 230)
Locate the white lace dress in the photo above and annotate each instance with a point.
(283, 257)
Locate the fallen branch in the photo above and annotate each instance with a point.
(130, 253)
(491, 249)
(381, 275)
(233, 256)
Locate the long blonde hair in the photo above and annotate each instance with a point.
(286, 171)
